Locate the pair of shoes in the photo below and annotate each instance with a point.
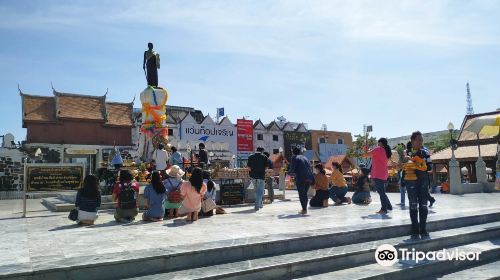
(400, 204)
(424, 233)
(303, 212)
(381, 212)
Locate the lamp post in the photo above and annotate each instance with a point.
(282, 172)
(454, 167)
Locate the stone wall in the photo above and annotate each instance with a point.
(11, 170)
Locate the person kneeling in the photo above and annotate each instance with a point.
(125, 195)
(362, 188)
(154, 196)
(339, 190)
(192, 193)
(88, 199)
(320, 199)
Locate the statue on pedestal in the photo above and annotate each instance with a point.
(151, 64)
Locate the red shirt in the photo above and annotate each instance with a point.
(379, 164)
(117, 189)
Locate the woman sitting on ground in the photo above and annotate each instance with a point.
(362, 188)
(88, 199)
(172, 183)
(154, 198)
(320, 199)
(192, 193)
(210, 194)
(339, 189)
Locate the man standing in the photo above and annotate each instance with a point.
(160, 156)
(203, 156)
(303, 176)
(257, 164)
(176, 157)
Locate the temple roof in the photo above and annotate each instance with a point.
(61, 106)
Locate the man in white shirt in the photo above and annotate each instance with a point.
(160, 156)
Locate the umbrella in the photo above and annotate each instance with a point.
(485, 125)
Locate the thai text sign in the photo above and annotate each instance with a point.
(48, 177)
(294, 139)
(209, 132)
(245, 135)
(231, 194)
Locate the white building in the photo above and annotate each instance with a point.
(269, 137)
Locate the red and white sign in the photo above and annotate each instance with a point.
(245, 135)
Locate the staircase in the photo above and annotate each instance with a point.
(349, 254)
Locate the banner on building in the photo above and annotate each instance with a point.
(207, 133)
(54, 177)
(294, 139)
(245, 137)
(327, 150)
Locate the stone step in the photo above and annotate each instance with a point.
(57, 204)
(328, 259)
(177, 258)
(489, 251)
(484, 272)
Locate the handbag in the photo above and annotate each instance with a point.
(208, 205)
(311, 192)
(73, 214)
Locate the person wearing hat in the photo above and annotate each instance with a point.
(173, 181)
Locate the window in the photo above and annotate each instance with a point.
(275, 138)
(260, 137)
(340, 141)
(322, 140)
(170, 132)
(276, 151)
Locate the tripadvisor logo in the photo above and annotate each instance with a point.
(387, 255)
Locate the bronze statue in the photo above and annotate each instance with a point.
(151, 64)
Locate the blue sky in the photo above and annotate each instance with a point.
(397, 65)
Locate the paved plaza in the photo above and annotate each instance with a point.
(47, 239)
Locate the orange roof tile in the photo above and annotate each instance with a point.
(80, 107)
(119, 114)
(38, 108)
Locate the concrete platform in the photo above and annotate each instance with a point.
(48, 245)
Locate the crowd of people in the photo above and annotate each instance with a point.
(169, 196)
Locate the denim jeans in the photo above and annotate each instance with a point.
(380, 186)
(417, 195)
(402, 190)
(337, 194)
(258, 185)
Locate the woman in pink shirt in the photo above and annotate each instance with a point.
(379, 172)
(192, 193)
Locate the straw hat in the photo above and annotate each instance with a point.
(175, 171)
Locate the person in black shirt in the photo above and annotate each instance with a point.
(258, 164)
(362, 188)
(203, 156)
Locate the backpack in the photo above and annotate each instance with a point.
(175, 195)
(128, 199)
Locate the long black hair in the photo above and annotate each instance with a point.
(90, 188)
(125, 176)
(196, 179)
(338, 166)
(157, 183)
(320, 167)
(388, 151)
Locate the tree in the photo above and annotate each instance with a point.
(359, 147)
(441, 143)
